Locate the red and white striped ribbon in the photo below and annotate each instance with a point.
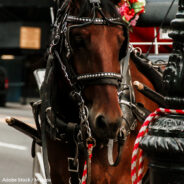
(85, 171)
(84, 175)
(143, 131)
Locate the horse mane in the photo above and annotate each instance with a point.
(84, 8)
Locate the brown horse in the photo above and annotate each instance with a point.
(93, 48)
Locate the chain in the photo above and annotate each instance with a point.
(63, 67)
(83, 112)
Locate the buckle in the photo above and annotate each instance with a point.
(95, 1)
(71, 166)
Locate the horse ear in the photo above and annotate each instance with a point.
(116, 1)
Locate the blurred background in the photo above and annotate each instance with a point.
(24, 32)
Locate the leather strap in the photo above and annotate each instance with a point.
(113, 82)
(125, 63)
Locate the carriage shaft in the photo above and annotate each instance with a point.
(24, 128)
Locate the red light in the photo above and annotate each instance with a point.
(6, 83)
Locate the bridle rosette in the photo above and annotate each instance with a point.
(130, 10)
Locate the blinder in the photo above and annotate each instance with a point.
(124, 47)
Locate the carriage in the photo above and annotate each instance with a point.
(86, 126)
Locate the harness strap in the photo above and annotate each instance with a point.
(102, 78)
(113, 82)
(125, 62)
(36, 110)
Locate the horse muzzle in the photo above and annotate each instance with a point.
(105, 129)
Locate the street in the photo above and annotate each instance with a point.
(15, 147)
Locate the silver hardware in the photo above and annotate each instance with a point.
(52, 15)
(125, 102)
(63, 67)
(77, 166)
(134, 125)
(95, 1)
(124, 132)
(136, 50)
(83, 112)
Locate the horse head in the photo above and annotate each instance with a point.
(96, 50)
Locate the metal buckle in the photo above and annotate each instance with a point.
(134, 125)
(71, 166)
(95, 1)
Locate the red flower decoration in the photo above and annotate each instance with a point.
(130, 10)
(129, 13)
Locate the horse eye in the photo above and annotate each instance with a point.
(79, 41)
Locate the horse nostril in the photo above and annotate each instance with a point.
(101, 122)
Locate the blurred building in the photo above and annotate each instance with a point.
(24, 32)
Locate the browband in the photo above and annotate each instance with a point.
(75, 19)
